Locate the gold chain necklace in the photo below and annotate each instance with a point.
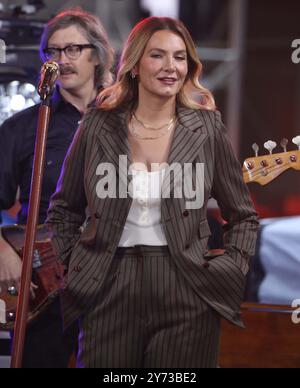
(135, 133)
(151, 128)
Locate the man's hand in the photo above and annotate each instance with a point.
(11, 268)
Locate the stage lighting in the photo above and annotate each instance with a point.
(16, 96)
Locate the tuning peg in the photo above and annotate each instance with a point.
(296, 141)
(270, 145)
(284, 143)
(255, 148)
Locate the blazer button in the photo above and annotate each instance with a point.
(206, 265)
(187, 246)
(186, 213)
(97, 216)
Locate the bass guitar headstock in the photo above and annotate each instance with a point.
(264, 169)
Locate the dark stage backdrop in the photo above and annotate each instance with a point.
(271, 95)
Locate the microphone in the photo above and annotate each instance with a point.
(49, 74)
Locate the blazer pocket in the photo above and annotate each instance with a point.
(88, 235)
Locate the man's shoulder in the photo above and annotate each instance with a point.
(23, 119)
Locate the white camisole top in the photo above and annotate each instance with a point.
(143, 225)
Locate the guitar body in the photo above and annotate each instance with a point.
(47, 274)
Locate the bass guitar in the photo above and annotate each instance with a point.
(47, 274)
(264, 169)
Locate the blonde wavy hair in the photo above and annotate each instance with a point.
(125, 89)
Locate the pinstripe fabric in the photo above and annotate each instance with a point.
(199, 138)
(149, 317)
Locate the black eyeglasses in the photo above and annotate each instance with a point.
(72, 51)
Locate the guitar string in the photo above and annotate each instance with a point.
(256, 172)
(277, 166)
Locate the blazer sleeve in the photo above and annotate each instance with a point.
(234, 200)
(66, 213)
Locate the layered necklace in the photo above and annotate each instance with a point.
(163, 130)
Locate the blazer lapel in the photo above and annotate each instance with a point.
(113, 139)
(190, 134)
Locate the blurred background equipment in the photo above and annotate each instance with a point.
(19, 73)
(168, 8)
(16, 96)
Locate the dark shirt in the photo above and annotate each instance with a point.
(17, 143)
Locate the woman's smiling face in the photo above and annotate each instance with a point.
(163, 67)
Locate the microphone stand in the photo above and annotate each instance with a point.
(49, 74)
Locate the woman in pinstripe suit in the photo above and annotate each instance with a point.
(144, 164)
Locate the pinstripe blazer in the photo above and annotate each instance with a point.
(199, 138)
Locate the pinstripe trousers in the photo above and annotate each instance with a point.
(148, 317)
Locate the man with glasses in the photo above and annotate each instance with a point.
(77, 41)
